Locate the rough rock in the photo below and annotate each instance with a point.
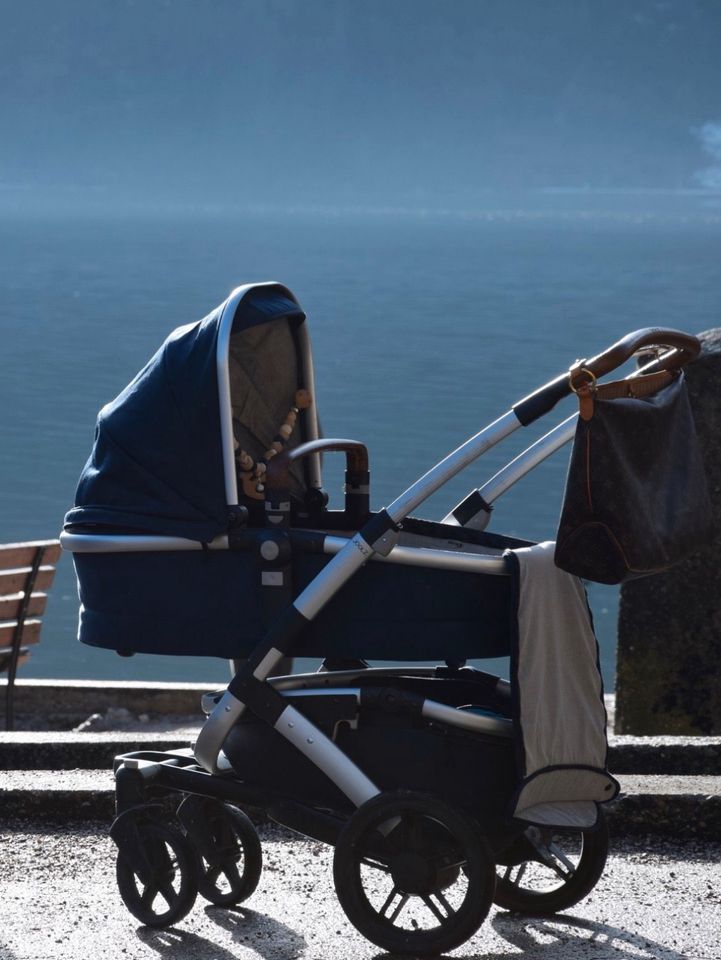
(669, 634)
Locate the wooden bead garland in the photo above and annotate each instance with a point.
(252, 473)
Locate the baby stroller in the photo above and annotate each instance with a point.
(201, 529)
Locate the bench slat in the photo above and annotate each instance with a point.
(13, 581)
(21, 599)
(5, 659)
(31, 632)
(10, 606)
(22, 554)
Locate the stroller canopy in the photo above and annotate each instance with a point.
(163, 458)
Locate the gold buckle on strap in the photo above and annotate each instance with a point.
(586, 385)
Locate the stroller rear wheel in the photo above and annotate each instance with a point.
(548, 871)
(158, 882)
(413, 874)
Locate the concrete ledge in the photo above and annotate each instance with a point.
(58, 750)
(70, 796)
(677, 807)
(664, 755)
(63, 750)
(68, 702)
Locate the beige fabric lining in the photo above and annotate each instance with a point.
(263, 373)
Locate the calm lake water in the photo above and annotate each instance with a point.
(424, 329)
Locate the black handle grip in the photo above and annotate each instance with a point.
(683, 348)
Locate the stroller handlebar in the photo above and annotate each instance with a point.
(356, 455)
(681, 349)
(357, 476)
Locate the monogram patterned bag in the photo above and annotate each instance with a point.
(636, 499)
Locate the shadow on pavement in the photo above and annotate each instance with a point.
(565, 938)
(266, 937)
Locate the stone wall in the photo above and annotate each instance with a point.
(669, 632)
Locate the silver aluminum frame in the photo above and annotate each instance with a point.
(521, 465)
(431, 710)
(319, 748)
(353, 555)
(134, 543)
(456, 461)
(311, 421)
(408, 556)
(526, 461)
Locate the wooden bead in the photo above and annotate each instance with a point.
(269, 454)
(291, 418)
(303, 399)
(260, 469)
(246, 461)
(250, 489)
(285, 431)
(276, 446)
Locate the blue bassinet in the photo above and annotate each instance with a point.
(153, 530)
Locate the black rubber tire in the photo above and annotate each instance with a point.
(242, 861)
(438, 838)
(175, 876)
(589, 867)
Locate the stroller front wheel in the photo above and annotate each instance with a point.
(545, 871)
(158, 886)
(413, 874)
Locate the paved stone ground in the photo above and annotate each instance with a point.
(658, 900)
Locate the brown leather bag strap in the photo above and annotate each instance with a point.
(634, 387)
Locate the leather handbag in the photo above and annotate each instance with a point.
(636, 499)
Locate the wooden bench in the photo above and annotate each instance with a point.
(26, 573)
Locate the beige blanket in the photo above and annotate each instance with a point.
(558, 694)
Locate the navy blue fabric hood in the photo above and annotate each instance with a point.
(157, 462)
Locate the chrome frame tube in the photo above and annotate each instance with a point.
(225, 406)
(521, 465)
(409, 556)
(456, 461)
(465, 720)
(132, 543)
(353, 555)
(529, 459)
(217, 726)
(332, 678)
(325, 755)
(431, 710)
(311, 414)
(428, 557)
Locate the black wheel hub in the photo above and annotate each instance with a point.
(414, 874)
